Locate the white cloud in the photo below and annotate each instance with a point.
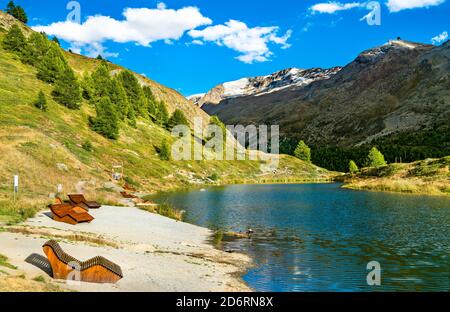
(333, 7)
(197, 42)
(440, 38)
(252, 43)
(140, 25)
(399, 5)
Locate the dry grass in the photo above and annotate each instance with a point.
(73, 237)
(165, 210)
(427, 177)
(21, 284)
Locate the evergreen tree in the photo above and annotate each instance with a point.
(178, 118)
(38, 46)
(10, 7)
(17, 11)
(131, 117)
(152, 105)
(67, 89)
(353, 168)
(53, 65)
(165, 151)
(87, 86)
(41, 101)
(102, 82)
(106, 122)
(162, 115)
(134, 93)
(375, 159)
(216, 121)
(56, 40)
(119, 99)
(15, 41)
(303, 152)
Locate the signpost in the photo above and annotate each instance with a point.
(16, 186)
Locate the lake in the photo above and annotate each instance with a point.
(320, 237)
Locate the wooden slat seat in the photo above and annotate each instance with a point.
(79, 200)
(95, 270)
(70, 214)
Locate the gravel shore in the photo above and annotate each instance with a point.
(155, 253)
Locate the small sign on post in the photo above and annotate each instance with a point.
(16, 186)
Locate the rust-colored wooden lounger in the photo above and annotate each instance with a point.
(79, 200)
(70, 214)
(95, 270)
(128, 195)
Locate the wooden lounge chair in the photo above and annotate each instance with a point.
(96, 270)
(127, 195)
(70, 214)
(79, 200)
(59, 201)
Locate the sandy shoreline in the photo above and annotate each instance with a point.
(155, 253)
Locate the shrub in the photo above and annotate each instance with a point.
(87, 146)
(165, 151)
(41, 102)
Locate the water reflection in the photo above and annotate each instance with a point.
(320, 237)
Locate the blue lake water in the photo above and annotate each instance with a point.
(319, 237)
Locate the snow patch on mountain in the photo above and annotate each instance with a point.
(256, 86)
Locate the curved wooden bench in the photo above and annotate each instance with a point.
(79, 200)
(70, 214)
(95, 270)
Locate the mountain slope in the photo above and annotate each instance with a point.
(386, 93)
(46, 148)
(258, 86)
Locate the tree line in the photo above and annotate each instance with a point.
(117, 99)
(402, 147)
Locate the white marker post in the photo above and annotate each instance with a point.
(16, 186)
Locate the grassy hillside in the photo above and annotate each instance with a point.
(45, 148)
(430, 176)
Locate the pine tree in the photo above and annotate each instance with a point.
(119, 99)
(41, 102)
(17, 11)
(15, 41)
(56, 40)
(178, 118)
(10, 7)
(53, 65)
(67, 89)
(102, 82)
(375, 158)
(162, 115)
(303, 152)
(353, 168)
(38, 46)
(152, 106)
(165, 152)
(106, 122)
(134, 93)
(87, 86)
(217, 122)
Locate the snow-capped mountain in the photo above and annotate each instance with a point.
(257, 86)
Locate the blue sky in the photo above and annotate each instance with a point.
(193, 49)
